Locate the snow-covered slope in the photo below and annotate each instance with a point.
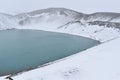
(104, 16)
(99, 26)
(7, 21)
(98, 63)
(51, 15)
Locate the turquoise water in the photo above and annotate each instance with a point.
(24, 49)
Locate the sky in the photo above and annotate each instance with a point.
(85, 6)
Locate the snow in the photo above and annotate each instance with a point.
(99, 33)
(98, 63)
(65, 21)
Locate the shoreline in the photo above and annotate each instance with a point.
(52, 62)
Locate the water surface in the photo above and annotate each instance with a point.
(24, 49)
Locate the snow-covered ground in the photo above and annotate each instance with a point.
(98, 63)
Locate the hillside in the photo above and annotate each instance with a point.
(101, 26)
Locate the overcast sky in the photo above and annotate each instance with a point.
(86, 6)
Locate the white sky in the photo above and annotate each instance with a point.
(86, 6)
